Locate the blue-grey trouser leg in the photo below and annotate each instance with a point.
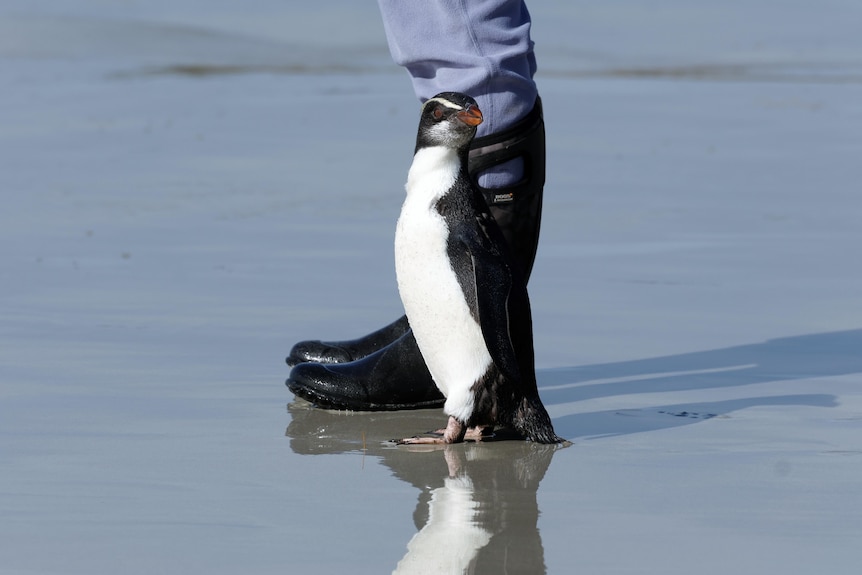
(479, 47)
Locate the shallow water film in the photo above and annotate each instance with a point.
(190, 187)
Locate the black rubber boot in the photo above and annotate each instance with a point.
(391, 378)
(385, 370)
(517, 208)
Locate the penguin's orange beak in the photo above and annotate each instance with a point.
(472, 116)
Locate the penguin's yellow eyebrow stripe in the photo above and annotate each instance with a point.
(445, 102)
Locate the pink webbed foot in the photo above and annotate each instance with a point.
(477, 433)
(454, 433)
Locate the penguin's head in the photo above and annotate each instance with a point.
(448, 119)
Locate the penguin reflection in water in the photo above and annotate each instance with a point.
(465, 298)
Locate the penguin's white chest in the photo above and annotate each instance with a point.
(449, 338)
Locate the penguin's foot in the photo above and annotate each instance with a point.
(421, 440)
(454, 433)
(477, 433)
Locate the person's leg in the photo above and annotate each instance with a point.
(481, 48)
(477, 47)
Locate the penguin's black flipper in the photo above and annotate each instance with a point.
(502, 305)
(503, 308)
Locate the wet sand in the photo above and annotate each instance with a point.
(190, 188)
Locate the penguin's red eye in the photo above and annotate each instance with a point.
(437, 113)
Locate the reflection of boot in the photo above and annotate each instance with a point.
(385, 370)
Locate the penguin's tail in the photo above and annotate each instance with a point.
(533, 422)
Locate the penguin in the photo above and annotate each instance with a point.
(465, 297)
